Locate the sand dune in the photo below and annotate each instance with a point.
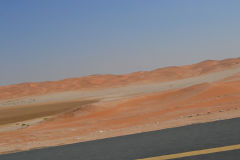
(137, 102)
(199, 103)
(108, 81)
(131, 89)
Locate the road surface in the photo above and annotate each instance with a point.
(218, 140)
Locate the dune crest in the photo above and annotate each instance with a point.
(114, 105)
(109, 81)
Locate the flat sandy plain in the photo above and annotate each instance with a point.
(34, 115)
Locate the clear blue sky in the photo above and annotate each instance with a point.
(55, 39)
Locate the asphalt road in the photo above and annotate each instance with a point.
(149, 144)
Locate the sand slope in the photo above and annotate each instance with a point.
(166, 98)
(198, 103)
(108, 81)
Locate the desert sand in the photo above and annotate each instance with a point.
(34, 115)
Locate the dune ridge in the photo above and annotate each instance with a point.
(195, 104)
(108, 81)
(141, 102)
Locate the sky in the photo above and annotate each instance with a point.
(45, 40)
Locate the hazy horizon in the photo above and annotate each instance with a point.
(113, 73)
(53, 40)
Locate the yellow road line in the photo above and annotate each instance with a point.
(195, 153)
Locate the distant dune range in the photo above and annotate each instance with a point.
(34, 115)
(108, 81)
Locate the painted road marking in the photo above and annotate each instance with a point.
(195, 153)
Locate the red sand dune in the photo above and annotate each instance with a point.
(198, 103)
(107, 81)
